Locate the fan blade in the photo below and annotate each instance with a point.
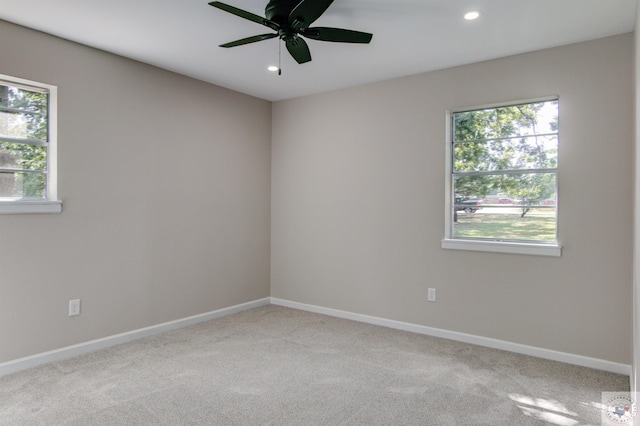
(249, 40)
(337, 35)
(299, 50)
(246, 15)
(307, 11)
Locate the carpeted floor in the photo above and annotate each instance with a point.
(280, 366)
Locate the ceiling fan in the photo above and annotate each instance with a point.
(290, 19)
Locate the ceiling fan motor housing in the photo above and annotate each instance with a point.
(279, 10)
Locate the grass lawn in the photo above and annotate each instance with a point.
(537, 225)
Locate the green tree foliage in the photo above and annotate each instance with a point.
(503, 150)
(23, 115)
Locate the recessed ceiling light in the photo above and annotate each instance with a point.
(470, 16)
(272, 68)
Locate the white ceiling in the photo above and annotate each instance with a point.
(410, 36)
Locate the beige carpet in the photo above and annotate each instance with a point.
(280, 366)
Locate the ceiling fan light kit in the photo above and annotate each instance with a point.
(290, 19)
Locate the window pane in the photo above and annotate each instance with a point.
(532, 152)
(23, 113)
(506, 207)
(23, 126)
(508, 224)
(23, 99)
(22, 185)
(473, 186)
(21, 156)
(504, 122)
(25, 140)
(533, 188)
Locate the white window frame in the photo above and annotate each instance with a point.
(510, 247)
(51, 204)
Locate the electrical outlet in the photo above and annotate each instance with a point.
(74, 307)
(431, 295)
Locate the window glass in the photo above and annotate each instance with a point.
(24, 142)
(504, 173)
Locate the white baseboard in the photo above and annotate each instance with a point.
(20, 364)
(568, 358)
(16, 365)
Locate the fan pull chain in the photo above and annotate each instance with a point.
(280, 57)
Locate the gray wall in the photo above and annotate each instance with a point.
(166, 188)
(358, 204)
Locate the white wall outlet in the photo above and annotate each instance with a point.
(431, 295)
(74, 307)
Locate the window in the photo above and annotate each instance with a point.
(27, 147)
(502, 189)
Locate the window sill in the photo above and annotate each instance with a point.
(503, 247)
(30, 207)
